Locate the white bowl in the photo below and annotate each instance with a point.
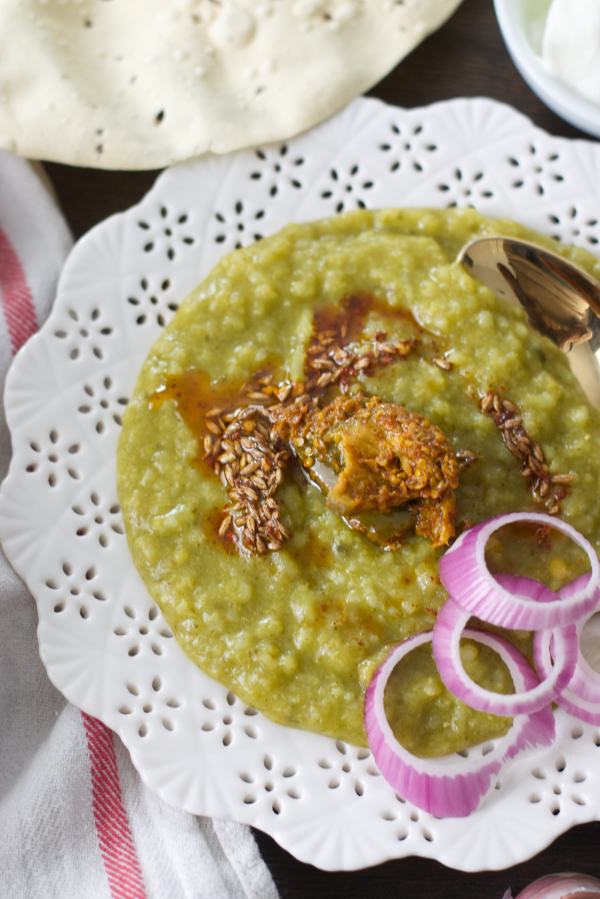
(522, 26)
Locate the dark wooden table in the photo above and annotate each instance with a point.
(465, 58)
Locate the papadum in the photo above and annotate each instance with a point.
(141, 84)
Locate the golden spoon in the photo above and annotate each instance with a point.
(561, 301)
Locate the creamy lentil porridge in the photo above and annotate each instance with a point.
(296, 621)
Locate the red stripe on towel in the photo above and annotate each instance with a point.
(17, 303)
(120, 859)
(114, 835)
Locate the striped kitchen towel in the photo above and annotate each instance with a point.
(76, 821)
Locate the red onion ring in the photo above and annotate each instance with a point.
(452, 620)
(451, 786)
(581, 697)
(586, 681)
(465, 575)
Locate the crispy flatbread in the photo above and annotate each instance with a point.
(140, 84)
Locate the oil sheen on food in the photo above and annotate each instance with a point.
(299, 632)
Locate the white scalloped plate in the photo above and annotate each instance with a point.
(102, 639)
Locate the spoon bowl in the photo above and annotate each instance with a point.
(561, 301)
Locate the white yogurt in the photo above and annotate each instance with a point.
(571, 46)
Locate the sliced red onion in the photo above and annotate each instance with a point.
(447, 633)
(525, 588)
(451, 786)
(580, 708)
(581, 697)
(560, 886)
(586, 681)
(465, 576)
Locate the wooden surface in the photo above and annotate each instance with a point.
(465, 58)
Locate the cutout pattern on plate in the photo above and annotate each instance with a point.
(102, 638)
